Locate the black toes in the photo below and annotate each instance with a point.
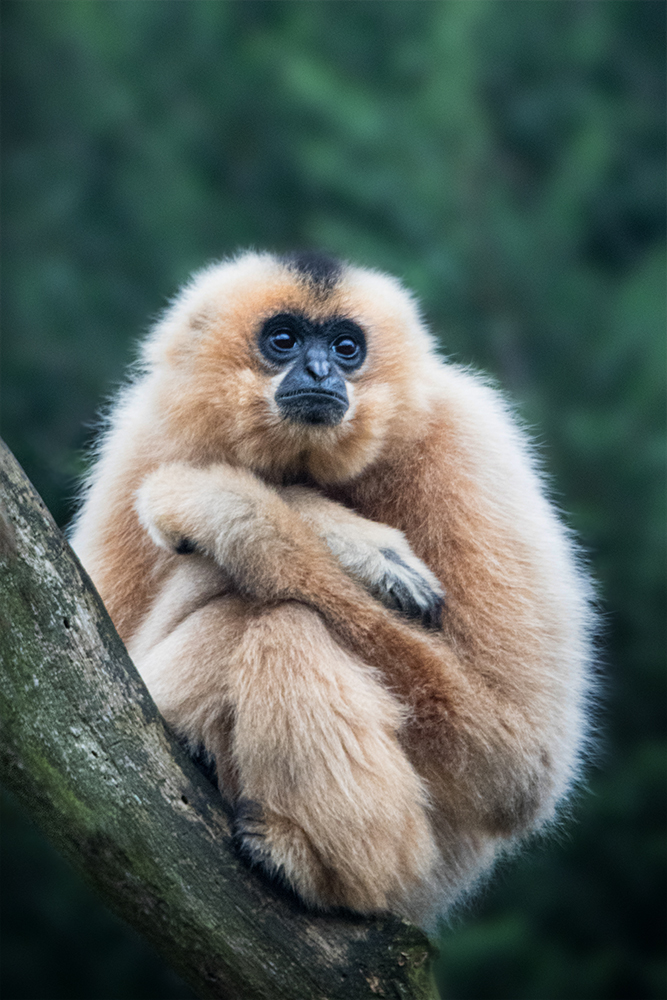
(249, 840)
(201, 759)
(247, 814)
(248, 831)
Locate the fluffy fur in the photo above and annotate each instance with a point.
(374, 763)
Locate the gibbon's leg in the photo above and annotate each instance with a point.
(486, 753)
(325, 796)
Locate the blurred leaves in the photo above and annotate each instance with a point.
(507, 160)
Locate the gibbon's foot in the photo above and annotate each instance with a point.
(268, 849)
(373, 877)
(380, 882)
(284, 854)
(328, 800)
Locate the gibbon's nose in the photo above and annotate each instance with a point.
(317, 364)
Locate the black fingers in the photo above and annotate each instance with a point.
(410, 594)
(403, 600)
(393, 557)
(427, 610)
(185, 547)
(432, 616)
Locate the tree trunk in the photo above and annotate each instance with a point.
(85, 750)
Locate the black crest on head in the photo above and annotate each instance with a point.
(319, 268)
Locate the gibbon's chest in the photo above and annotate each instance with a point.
(399, 493)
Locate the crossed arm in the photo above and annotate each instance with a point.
(269, 540)
(288, 544)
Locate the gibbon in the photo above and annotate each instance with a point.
(333, 562)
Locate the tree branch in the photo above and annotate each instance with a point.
(85, 750)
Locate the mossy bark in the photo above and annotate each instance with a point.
(87, 753)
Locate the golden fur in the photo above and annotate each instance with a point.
(374, 763)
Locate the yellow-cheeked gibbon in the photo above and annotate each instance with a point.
(333, 562)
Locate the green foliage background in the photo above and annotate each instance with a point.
(506, 159)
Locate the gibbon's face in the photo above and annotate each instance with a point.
(317, 359)
(293, 367)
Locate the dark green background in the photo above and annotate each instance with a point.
(507, 160)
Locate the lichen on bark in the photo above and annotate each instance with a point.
(87, 753)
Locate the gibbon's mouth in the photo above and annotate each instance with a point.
(305, 393)
(313, 406)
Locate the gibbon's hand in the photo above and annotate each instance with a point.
(400, 587)
(182, 507)
(375, 555)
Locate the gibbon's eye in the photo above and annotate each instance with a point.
(347, 342)
(283, 340)
(346, 348)
(280, 337)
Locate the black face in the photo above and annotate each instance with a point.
(319, 356)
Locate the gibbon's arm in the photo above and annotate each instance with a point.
(482, 742)
(251, 531)
(375, 555)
